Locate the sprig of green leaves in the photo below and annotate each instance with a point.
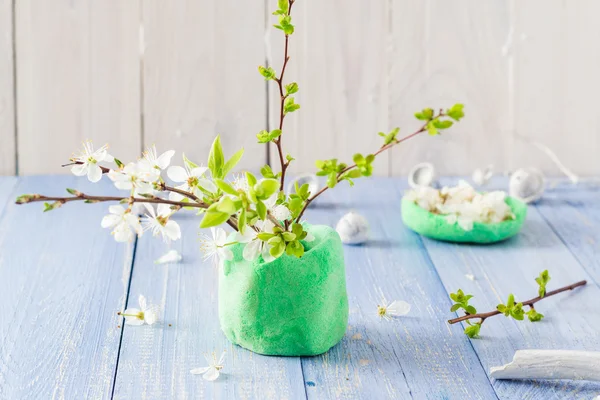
(542, 280)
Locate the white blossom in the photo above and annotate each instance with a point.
(89, 159)
(240, 182)
(132, 177)
(394, 309)
(215, 248)
(159, 223)
(463, 205)
(151, 159)
(140, 316)
(211, 372)
(279, 211)
(124, 224)
(190, 179)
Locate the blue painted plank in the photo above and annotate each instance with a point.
(62, 280)
(573, 212)
(572, 320)
(418, 356)
(155, 361)
(7, 184)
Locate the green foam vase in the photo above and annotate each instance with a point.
(290, 306)
(435, 226)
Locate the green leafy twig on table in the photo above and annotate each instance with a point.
(510, 309)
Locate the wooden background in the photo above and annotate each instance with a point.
(175, 73)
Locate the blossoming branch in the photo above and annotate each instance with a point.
(267, 221)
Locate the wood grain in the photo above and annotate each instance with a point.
(444, 54)
(78, 78)
(340, 64)
(164, 354)
(555, 71)
(573, 213)
(510, 267)
(200, 77)
(62, 280)
(7, 100)
(416, 356)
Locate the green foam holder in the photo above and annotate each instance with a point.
(290, 306)
(435, 226)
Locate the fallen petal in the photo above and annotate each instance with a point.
(171, 257)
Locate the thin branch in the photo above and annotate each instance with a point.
(529, 303)
(279, 81)
(348, 168)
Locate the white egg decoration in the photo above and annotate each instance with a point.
(422, 174)
(527, 184)
(353, 228)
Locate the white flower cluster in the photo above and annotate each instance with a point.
(463, 205)
(139, 179)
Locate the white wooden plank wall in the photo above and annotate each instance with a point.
(139, 72)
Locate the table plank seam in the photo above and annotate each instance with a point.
(303, 377)
(134, 252)
(590, 276)
(430, 260)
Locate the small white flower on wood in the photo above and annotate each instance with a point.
(394, 309)
(88, 160)
(139, 316)
(211, 372)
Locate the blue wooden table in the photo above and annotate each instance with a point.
(63, 279)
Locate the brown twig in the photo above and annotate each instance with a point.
(279, 81)
(529, 303)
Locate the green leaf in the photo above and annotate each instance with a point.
(289, 105)
(213, 218)
(291, 88)
(267, 73)
(470, 309)
(542, 280)
(456, 112)
(226, 187)
(442, 124)
(294, 248)
(119, 163)
(267, 188)
(251, 179)
(277, 247)
(424, 115)
(472, 331)
(261, 209)
(226, 205)
(232, 162)
(534, 316)
(73, 192)
(358, 159)
(431, 129)
(289, 158)
(332, 180)
(275, 133)
(455, 307)
(216, 159)
(242, 221)
(263, 136)
(267, 172)
(283, 5)
(265, 236)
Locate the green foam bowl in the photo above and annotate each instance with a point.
(435, 226)
(290, 306)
